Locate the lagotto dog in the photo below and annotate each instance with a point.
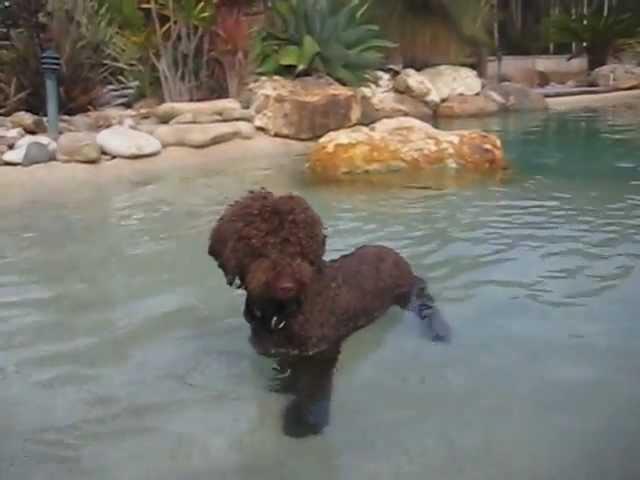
(301, 307)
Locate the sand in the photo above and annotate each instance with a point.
(232, 158)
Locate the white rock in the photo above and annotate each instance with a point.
(31, 150)
(124, 142)
(14, 157)
(417, 86)
(9, 136)
(449, 80)
(16, 133)
(26, 140)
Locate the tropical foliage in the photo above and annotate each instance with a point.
(189, 49)
(231, 40)
(304, 37)
(597, 34)
(180, 45)
(176, 49)
(80, 32)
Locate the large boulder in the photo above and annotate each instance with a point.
(449, 80)
(617, 75)
(304, 108)
(78, 147)
(418, 86)
(168, 111)
(29, 122)
(119, 141)
(403, 143)
(468, 106)
(199, 136)
(518, 97)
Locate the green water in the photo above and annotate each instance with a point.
(123, 355)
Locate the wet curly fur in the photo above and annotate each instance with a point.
(267, 242)
(300, 307)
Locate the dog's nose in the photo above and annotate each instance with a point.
(285, 290)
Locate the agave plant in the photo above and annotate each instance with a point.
(599, 35)
(303, 37)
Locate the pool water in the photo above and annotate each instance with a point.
(123, 355)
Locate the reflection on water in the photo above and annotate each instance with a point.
(123, 354)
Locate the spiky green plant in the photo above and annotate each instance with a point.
(304, 37)
(598, 35)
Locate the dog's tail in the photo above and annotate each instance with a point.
(423, 306)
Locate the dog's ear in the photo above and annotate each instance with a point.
(211, 251)
(214, 244)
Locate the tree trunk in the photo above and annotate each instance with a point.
(597, 57)
(482, 65)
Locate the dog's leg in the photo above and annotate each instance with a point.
(284, 380)
(308, 413)
(421, 304)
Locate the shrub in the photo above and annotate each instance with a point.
(303, 37)
(180, 46)
(231, 39)
(81, 33)
(602, 35)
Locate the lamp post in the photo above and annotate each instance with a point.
(50, 64)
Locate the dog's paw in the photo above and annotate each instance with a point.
(283, 380)
(301, 422)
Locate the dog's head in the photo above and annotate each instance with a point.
(271, 246)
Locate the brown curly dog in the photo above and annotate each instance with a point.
(300, 307)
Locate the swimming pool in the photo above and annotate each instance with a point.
(124, 355)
